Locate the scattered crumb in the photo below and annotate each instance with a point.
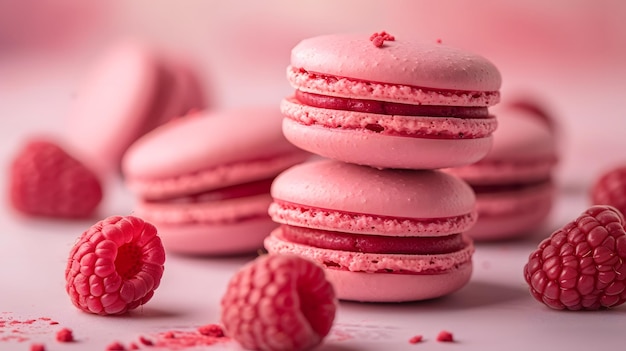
(211, 330)
(37, 347)
(65, 335)
(145, 341)
(439, 41)
(115, 346)
(416, 339)
(445, 336)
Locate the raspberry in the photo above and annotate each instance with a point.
(115, 266)
(582, 265)
(610, 189)
(47, 181)
(279, 302)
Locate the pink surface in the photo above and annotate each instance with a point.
(256, 149)
(333, 185)
(402, 61)
(106, 116)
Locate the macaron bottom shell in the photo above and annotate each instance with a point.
(511, 214)
(213, 239)
(385, 151)
(391, 287)
(364, 277)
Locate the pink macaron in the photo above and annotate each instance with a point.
(204, 180)
(513, 183)
(382, 235)
(129, 90)
(389, 102)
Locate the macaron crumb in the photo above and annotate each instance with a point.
(37, 347)
(115, 346)
(416, 339)
(211, 330)
(65, 335)
(445, 336)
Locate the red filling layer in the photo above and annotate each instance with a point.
(493, 188)
(372, 243)
(388, 108)
(231, 192)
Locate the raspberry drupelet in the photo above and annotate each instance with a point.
(581, 266)
(115, 266)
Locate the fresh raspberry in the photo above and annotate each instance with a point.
(279, 302)
(45, 180)
(581, 266)
(115, 266)
(610, 189)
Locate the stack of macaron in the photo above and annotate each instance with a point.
(384, 114)
(513, 183)
(204, 180)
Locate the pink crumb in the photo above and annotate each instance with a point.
(445, 336)
(145, 341)
(115, 346)
(37, 347)
(211, 330)
(65, 335)
(133, 346)
(416, 339)
(439, 41)
(378, 39)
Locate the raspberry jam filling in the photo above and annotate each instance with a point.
(496, 188)
(372, 243)
(388, 108)
(231, 192)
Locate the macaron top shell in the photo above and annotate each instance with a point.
(112, 102)
(206, 140)
(401, 61)
(358, 189)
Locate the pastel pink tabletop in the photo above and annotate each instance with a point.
(402, 61)
(206, 140)
(365, 190)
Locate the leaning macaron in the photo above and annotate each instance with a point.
(129, 90)
(382, 235)
(513, 183)
(389, 102)
(204, 180)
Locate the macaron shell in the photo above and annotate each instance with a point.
(216, 212)
(387, 287)
(216, 239)
(385, 151)
(512, 214)
(212, 150)
(106, 116)
(396, 193)
(524, 150)
(428, 65)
